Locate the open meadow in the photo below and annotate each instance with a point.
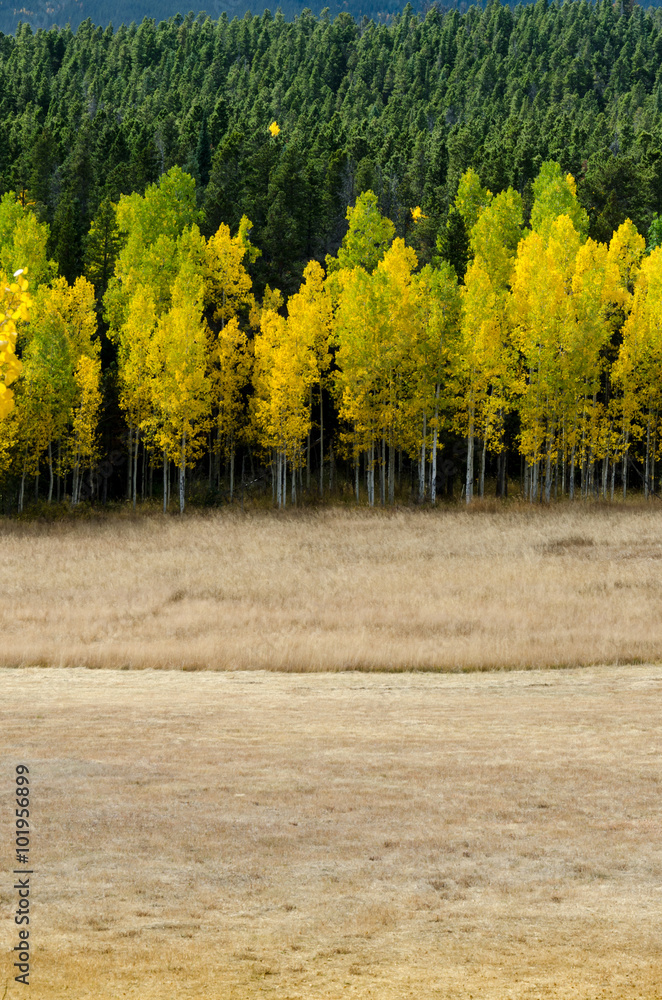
(234, 835)
(519, 586)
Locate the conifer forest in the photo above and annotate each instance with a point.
(261, 260)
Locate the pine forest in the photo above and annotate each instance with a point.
(278, 261)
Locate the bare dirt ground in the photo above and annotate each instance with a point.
(231, 835)
(445, 589)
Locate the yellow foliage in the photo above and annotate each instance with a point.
(15, 305)
(227, 283)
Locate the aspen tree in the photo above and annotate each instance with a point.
(290, 358)
(309, 318)
(151, 226)
(555, 194)
(87, 377)
(438, 302)
(61, 331)
(626, 250)
(368, 237)
(355, 381)
(487, 364)
(232, 363)
(541, 311)
(135, 396)
(471, 198)
(638, 368)
(180, 388)
(15, 305)
(375, 314)
(23, 241)
(400, 356)
(479, 352)
(227, 282)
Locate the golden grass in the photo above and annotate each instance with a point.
(238, 835)
(334, 590)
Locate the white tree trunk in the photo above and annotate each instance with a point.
(21, 492)
(321, 443)
(371, 476)
(129, 464)
(421, 464)
(625, 465)
(482, 468)
(134, 494)
(469, 482)
(435, 435)
(182, 476)
(548, 472)
(283, 485)
(165, 483)
(50, 471)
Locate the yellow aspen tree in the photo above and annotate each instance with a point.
(355, 380)
(626, 250)
(368, 237)
(438, 302)
(377, 327)
(62, 329)
(541, 309)
(476, 360)
(555, 194)
(69, 310)
(87, 377)
(493, 239)
(134, 383)
(228, 292)
(40, 414)
(638, 368)
(584, 361)
(228, 285)
(287, 365)
(24, 240)
(471, 199)
(309, 318)
(15, 305)
(180, 386)
(160, 236)
(231, 371)
(151, 226)
(557, 217)
(403, 387)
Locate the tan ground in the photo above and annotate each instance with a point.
(334, 590)
(242, 834)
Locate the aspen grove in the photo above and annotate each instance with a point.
(542, 362)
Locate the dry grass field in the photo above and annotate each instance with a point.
(446, 589)
(234, 835)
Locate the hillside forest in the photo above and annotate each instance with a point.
(385, 263)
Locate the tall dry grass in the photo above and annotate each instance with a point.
(335, 590)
